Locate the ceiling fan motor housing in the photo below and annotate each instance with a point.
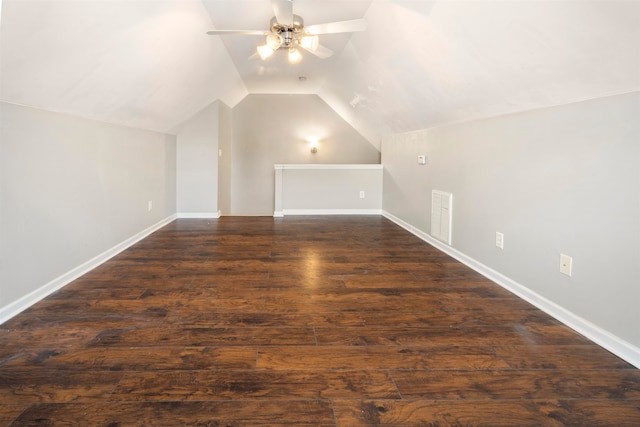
(288, 33)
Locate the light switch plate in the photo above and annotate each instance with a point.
(422, 159)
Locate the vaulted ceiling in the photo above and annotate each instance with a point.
(419, 64)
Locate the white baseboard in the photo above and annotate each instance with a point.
(329, 212)
(16, 307)
(602, 337)
(199, 215)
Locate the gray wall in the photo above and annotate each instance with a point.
(204, 162)
(72, 189)
(556, 180)
(197, 163)
(272, 129)
(329, 189)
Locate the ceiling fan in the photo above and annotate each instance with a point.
(287, 32)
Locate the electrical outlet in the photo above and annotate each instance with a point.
(150, 205)
(565, 264)
(422, 159)
(362, 194)
(499, 240)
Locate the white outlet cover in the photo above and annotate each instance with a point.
(422, 159)
(565, 264)
(499, 240)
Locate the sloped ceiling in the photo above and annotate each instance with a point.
(141, 63)
(420, 63)
(429, 63)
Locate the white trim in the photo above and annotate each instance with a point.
(327, 166)
(441, 215)
(330, 212)
(602, 337)
(199, 215)
(21, 304)
(277, 202)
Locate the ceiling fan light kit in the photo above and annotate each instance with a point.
(264, 51)
(288, 37)
(274, 41)
(294, 55)
(287, 31)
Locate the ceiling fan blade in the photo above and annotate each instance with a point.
(240, 32)
(321, 52)
(283, 9)
(338, 27)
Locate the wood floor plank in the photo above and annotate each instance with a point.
(458, 319)
(560, 357)
(50, 320)
(223, 413)
(45, 337)
(56, 386)
(300, 321)
(357, 301)
(479, 304)
(85, 294)
(140, 309)
(350, 413)
(510, 385)
(399, 290)
(9, 412)
(254, 384)
(428, 336)
(379, 357)
(132, 359)
(204, 337)
(160, 304)
(239, 319)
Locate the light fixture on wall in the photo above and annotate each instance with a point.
(313, 145)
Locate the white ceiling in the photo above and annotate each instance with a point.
(150, 64)
(142, 63)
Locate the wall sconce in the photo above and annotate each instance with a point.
(313, 146)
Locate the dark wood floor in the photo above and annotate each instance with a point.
(323, 321)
